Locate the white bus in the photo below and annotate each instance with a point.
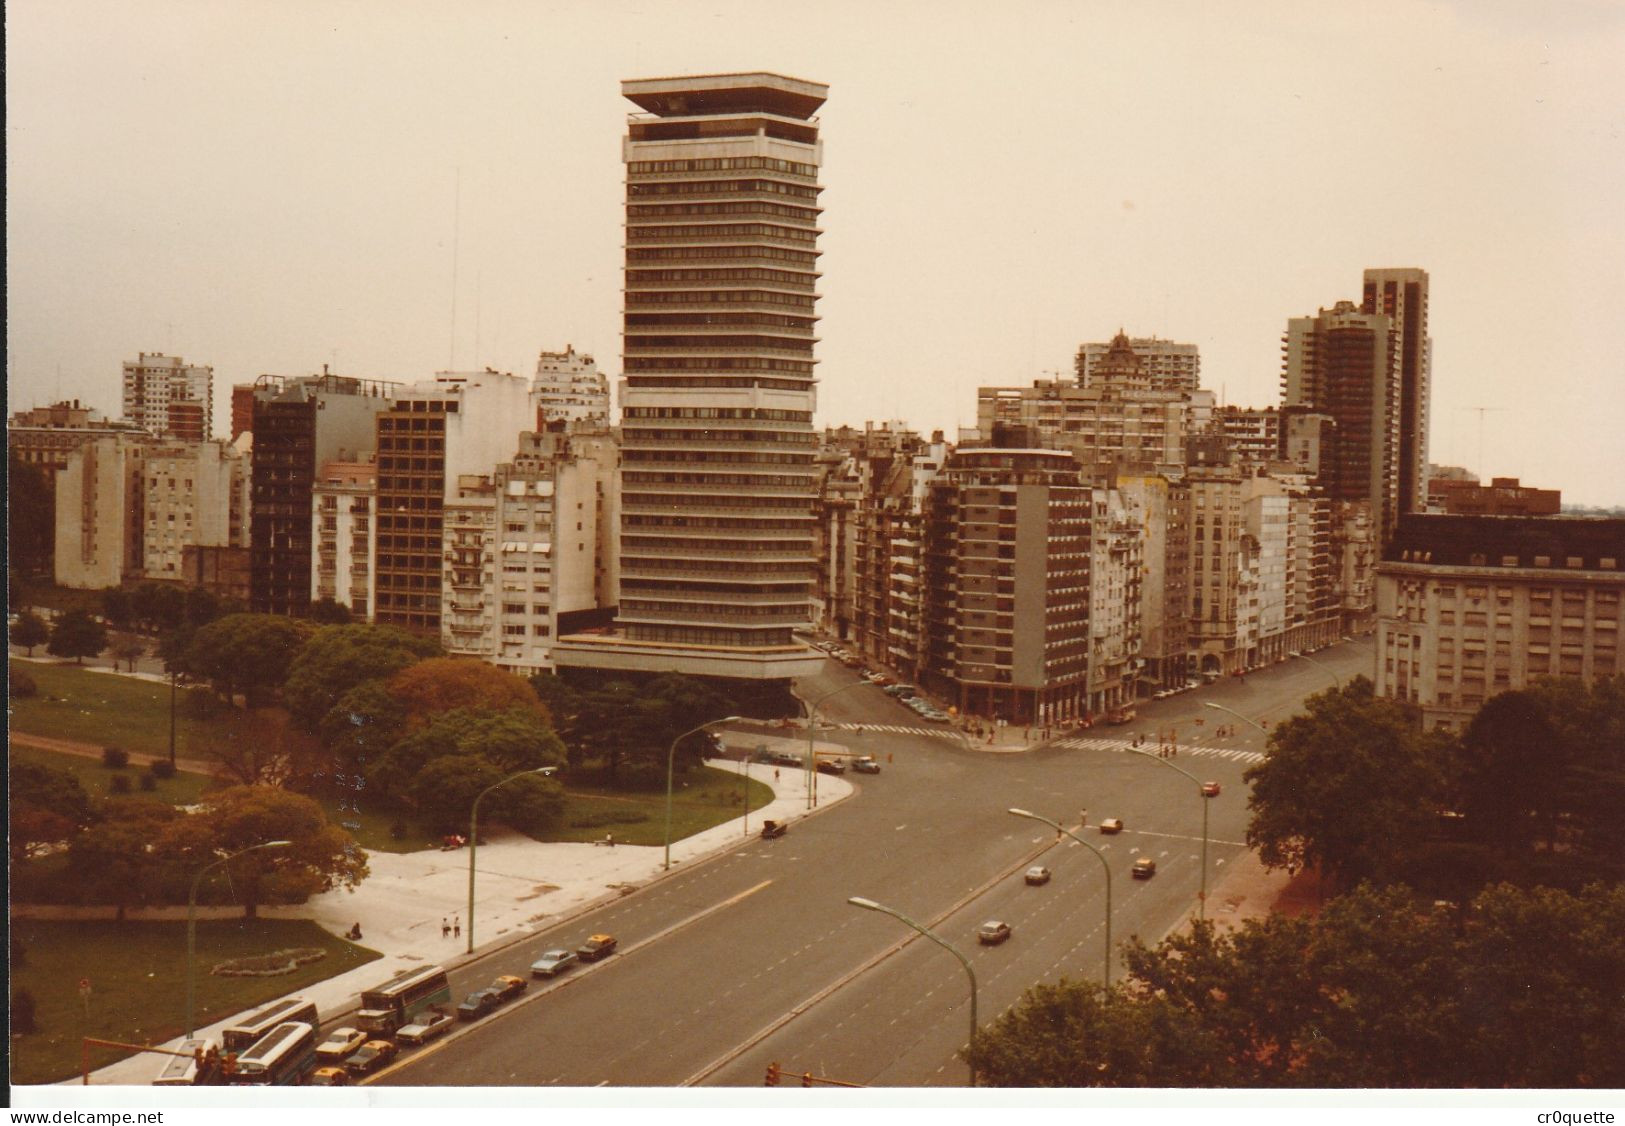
(278, 1059)
(186, 1071)
(398, 1001)
(248, 1030)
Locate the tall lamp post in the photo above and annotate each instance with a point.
(1102, 858)
(871, 905)
(171, 717)
(474, 839)
(1321, 665)
(191, 920)
(1238, 715)
(812, 726)
(1201, 907)
(671, 755)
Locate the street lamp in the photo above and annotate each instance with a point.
(1320, 665)
(474, 839)
(1238, 715)
(812, 725)
(671, 755)
(871, 905)
(1102, 857)
(191, 919)
(1201, 903)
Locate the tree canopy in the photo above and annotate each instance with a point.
(29, 630)
(340, 658)
(77, 635)
(46, 807)
(244, 652)
(437, 685)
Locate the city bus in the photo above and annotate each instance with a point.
(246, 1032)
(278, 1059)
(186, 1071)
(397, 1002)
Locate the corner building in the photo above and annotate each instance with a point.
(718, 476)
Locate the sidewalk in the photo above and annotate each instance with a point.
(523, 887)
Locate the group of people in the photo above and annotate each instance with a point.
(453, 929)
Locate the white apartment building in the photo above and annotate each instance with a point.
(99, 504)
(1165, 365)
(344, 534)
(195, 494)
(167, 397)
(568, 387)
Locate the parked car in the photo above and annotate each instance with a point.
(596, 947)
(831, 766)
(329, 1077)
(1210, 789)
(1144, 868)
(899, 690)
(992, 932)
(426, 1026)
(772, 829)
(1112, 825)
(477, 1004)
(373, 1055)
(1037, 874)
(785, 758)
(339, 1045)
(509, 986)
(868, 764)
(553, 963)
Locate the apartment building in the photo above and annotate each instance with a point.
(99, 512)
(1472, 606)
(343, 501)
(1162, 365)
(169, 398)
(1503, 496)
(568, 387)
(1161, 506)
(194, 494)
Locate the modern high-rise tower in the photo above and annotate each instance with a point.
(717, 477)
(1401, 295)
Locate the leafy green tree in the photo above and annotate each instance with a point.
(444, 791)
(29, 630)
(77, 635)
(510, 741)
(128, 648)
(338, 659)
(244, 652)
(159, 607)
(362, 726)
(30, 517)
(437, 685)
(325, 611)
(118, 607)
(114, 860)
(1348, 786)
(46, 807)
(321, 855)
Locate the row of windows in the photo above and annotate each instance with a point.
(730, 208)
(721, 297)
(632, 477)
(724, 230)
(712, 459)
(722, 320)
(724, 501)
(722, 163)
(754, 413)
(728, 253)
(719, 341)
(713, 187)
(718, 276)
(714, 363)
(699, 635)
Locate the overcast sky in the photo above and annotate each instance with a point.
(270, 186)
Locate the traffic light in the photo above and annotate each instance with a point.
(773, 1073)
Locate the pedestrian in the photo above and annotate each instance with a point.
(457, 926)
(445, 928)
(775, 774)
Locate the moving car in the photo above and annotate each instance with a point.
(1144, 868)
(340, 1044)
(596, 947)
(330, 1077)
(553, 963)
(426, 1026)
(1112, 825)
(868, 764)
(477, 1004)
(373, 1055)
(992, 932)
(772, 829)
(1210, 789)
(508, 986)
(1037, 874)
(831, 766)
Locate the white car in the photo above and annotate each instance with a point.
(553, 963)
(429, 1024)
(340, 1045)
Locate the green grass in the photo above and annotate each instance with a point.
(701, 800)
(105, 710)
(138, 984)
(183, 789)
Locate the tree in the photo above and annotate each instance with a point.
(1348, 786)
(29, 630)
(321, 856)
(510, 741)
(442, 684)
(47, 807)
(129, 648)
(340, 658)
(325, 611)
(77, 635)
(30, 517)
(118, 607)
(444, 792)
(243, 652)
(159, 607)
(114, 860)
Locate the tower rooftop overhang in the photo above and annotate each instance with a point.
(710, 94)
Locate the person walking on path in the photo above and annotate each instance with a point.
(445, 928)
(457, 926)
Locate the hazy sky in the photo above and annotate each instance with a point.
(270, 186)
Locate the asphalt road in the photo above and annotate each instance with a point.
(756, 956)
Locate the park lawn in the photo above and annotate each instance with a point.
(105, 710)
(702, 799)
(97, 780)
(138, 984)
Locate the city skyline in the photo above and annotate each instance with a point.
(1165, 173)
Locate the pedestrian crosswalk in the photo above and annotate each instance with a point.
(900, 729)
(1234, 754)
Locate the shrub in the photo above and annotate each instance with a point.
(161, 768)
(598, 820)
(22, 1012)
(121, 784)
(115, 758)
(22, 685)
(149, 783)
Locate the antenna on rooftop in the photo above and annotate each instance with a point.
(1483, 479)
(456, 233)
